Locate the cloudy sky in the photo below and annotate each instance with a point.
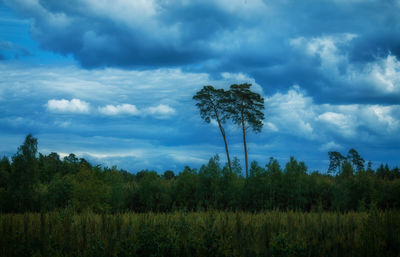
(112, 81)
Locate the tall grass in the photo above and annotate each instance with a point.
(274, 233)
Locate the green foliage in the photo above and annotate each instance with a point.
(168, 174)
(212, 104)
(335, 161)
(186, 189)
(5, 171)
(353, 159)
(282, 246)
(37, 182)
(356, 160)
(215, 104)
(90, 192)
(246, 106)
(49, 166)
(24, 175)
(246, 109)
(59, 192)
(152, 194)
(70, 164)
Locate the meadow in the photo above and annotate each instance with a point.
(211, 233)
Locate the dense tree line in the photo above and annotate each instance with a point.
(31, 181)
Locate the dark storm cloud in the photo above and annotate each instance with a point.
(97, 40)
(369, 46)
(252, 37)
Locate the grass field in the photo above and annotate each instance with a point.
(275, 233)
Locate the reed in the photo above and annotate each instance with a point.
(212, 233)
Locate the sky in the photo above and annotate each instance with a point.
(113, 81)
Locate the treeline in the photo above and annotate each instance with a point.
(33, 182)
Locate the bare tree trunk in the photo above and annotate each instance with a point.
(245, 146)
(226, 148)
(226, 144)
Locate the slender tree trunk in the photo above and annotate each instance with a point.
(245, 146)
(226, 147)
(226, 144)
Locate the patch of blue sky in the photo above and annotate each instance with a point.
(16, 42)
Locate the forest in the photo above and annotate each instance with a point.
(34, 182)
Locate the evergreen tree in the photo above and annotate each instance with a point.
(5, 169)
(355, 159)
(24, 174)
(246, 108)
(335, 161)
(213, 105)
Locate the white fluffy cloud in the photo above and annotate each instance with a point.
(343, 122)
(382, 119)
(325, 47)
(296, 114)
(68, 106)
(331, 145)
(292, 112)
(128, 109)
(380, 76)
(161, 110)
(385, 74)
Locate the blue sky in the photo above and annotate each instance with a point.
(112, 81)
